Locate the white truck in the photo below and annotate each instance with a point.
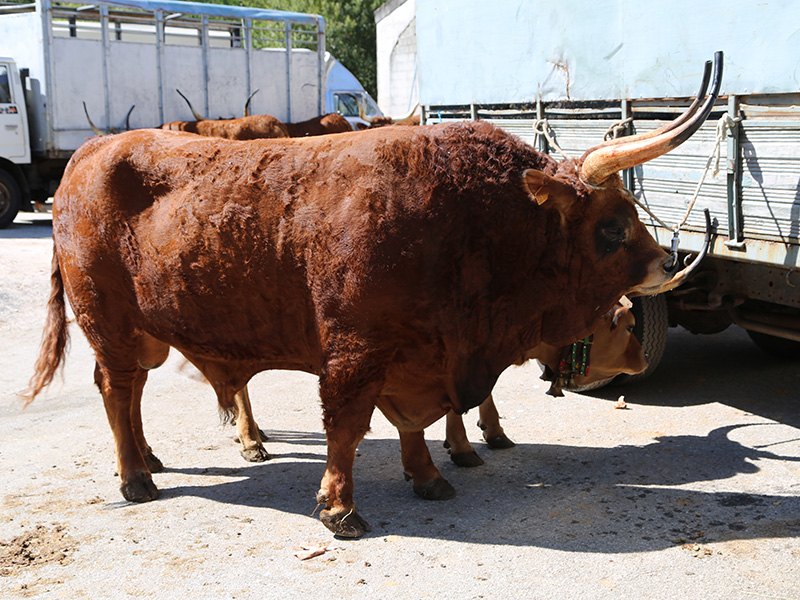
(575, 71)
(125, 59)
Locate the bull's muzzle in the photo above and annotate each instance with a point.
(671, 263)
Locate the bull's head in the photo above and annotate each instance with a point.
(594, 177)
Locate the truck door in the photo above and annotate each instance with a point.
(13, 138)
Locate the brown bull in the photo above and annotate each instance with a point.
(614, 350)
(322, 125)
(244, 128)
(406, 267)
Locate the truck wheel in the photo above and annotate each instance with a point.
(10, 199)
(775, 346)
(652, 326)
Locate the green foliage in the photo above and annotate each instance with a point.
(350, 31)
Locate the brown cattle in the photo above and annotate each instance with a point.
(614, 350)
(406, 267)
(244, 128)
(322, 125)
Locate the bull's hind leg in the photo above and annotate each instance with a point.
(247, 432)
(151, 354)
(150, 459)
(117, 389)
(428, 481)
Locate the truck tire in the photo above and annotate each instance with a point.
(652, 326)
(776, 347)
(10, 199)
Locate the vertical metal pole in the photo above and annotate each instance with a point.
(627, 175)
(159, 15)
(206, 68)
(734, 169)
(287, 28)
(247, 27)
(106, 62)
(473, 111)
(322, 103)
(50, 105)
(541, 141)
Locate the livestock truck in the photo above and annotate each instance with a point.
(564, 75)
(125, 59)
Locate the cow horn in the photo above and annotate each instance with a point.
(128, 118)
(601, 162)
(247, 104)
(406, 116)
(194, 112)
(91, 124)
(672, 124)
(364, 116)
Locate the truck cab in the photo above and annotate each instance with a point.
(15, 147)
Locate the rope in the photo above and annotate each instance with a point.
(726, 123)
(617, 129)
(542, 127)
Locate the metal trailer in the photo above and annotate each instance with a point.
(577, 70)
(117, 54)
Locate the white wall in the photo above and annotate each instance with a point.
(396, 53)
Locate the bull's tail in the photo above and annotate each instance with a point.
(54, 338)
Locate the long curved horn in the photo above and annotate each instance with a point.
(407, 116)
(689, 112)
(600, 163)
(91, 124)
(247, 104)
(364, 116)
(194, 112)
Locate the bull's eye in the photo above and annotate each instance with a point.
(615, 234)
(630, 328)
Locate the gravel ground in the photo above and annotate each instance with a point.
(693, 491)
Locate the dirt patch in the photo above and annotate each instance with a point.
(40, 546)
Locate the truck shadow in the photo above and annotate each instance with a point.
(29, 226)
(587, 499)
(727, 368)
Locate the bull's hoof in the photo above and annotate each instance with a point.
(436, 489)
(263, 436)
(467, 459)
(499, 442)
(140, 488)
(344, 523)
(256, 454)
(152, 462)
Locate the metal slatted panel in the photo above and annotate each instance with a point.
(771, 179)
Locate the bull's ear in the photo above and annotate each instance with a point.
(542, 187)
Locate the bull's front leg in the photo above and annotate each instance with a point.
(247, 432)
(417, 464)
(346, 415)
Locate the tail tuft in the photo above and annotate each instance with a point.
(55, 337)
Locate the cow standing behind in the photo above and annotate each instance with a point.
(406, 267)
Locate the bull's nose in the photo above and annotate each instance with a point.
(670, 264)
